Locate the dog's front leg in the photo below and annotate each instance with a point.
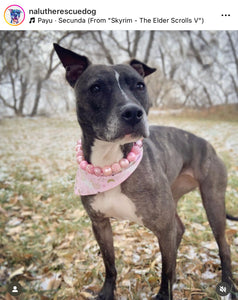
(167, 242)
(167, 229)
(103, 234)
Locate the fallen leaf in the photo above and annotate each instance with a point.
(19, 271)
(70, 280)
(230, 233)
(86, 295)
(3, 211)
(197, 295)
(9, 297)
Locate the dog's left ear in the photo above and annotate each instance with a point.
(141, 68)
(74, 63)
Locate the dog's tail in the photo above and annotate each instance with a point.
(232, 218)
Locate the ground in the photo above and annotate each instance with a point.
(46, 241)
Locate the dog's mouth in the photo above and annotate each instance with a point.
(133, 133)
(130, 138)
(125, 134)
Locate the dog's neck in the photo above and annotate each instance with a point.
(105, 153)
(101, 153)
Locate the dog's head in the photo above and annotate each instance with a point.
(112, 101)
(15, 15)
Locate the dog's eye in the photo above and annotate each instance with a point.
(140, 86)
(95, 88)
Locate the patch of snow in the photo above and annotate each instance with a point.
(208, 275)
(136, 258)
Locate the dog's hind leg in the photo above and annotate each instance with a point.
(213, 190)
(180, 230)
(103, 234)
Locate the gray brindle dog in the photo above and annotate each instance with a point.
(112, 107)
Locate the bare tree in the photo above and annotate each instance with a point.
(128, 44)
(202, 63)
(25, 67)
(14, 82)
(196, 68)
(99, 39)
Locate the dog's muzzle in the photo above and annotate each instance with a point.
(129, 120)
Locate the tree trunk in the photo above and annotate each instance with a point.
(37, 98)
(149, 46)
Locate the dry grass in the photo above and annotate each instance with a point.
(46, 240)
(215, 113)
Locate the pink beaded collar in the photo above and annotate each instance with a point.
(91, 180)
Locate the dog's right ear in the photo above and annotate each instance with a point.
(141, 68)
(74, 64)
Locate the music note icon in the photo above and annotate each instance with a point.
(32, 20)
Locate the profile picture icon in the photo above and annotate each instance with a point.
(14, 288)
(14, 15)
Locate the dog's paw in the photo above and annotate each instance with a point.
(105, 294)
(105, 297)
(107, 291)
(162, 297)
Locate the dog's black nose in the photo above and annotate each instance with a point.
(132, 114)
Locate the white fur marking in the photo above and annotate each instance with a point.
(117, 75)
(105, 153)
(115, 204)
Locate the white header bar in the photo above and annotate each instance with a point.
(119, 15)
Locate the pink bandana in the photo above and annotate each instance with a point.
(90, 184)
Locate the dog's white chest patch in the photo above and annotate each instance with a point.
(115, 204)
